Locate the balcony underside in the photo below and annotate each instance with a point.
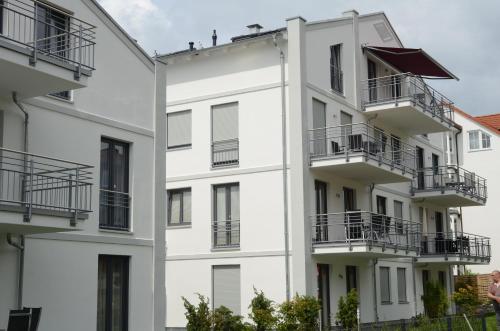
(453, 259)
(361, 250)
(48, 75)
(407, 117)
(363, 169)
(449, 198)
(42, 221)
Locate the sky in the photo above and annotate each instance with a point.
(463, 35)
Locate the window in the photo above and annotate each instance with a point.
(479, 140)
(226, 287)
(179, 206)
(64, 95)
(112, 293)
(225, 143)
(1, 16)
(402, 285)
(179, 129)
(398, 215)
(442, 278)
(336, 68)
(396, 149)
(226, 226)
(426, 277)
(52, 31)
(351, 273)
(320, 132)
(114, 199)
(385, 284)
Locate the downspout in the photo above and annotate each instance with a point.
(375, 301)
(459, 131)
(20, 244)
(285, 170)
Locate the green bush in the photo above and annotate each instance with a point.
(262, 312)
(299, 314)
(435, 300)
(466, 298)
(224, 320)
(198, 317)
(347, 311)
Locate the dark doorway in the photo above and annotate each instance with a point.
(420, 168)
(321, 211)
(324, 294)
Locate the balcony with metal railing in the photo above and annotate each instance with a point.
(43, 49)
(406, 102)
(364, 233)
(455, 248)
(449, 186)
(42, 194)
(361, 152)
(226, 234)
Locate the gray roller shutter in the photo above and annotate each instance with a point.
(225, 122)
(227, 287)
(319, 126)
(179, 129)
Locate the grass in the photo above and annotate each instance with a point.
(491, 323)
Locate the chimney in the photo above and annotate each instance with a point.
(214, 38)
(191, 46)
(350, 13)
(254, 28)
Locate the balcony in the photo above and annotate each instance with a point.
(406, 102)
(449, 186)
(42, 49)
(364, 233)
(361, 152)
(40, 194)
(225, 153)
(226, 234)
(455, 248)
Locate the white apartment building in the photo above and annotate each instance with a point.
(77, 184)
(366, 188)
(477, 143)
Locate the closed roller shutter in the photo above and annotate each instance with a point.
(227, 287)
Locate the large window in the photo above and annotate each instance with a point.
(112, 293)
(179, 129)
(179, 206)
(226, 226)
(479, 140)
(114, 198)
(351, 273)
(402, 296)
(52, 31)
(398, 216)
(226, 287)
(225, 143)
(336, 68)
(385, 285)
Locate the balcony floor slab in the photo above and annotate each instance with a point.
(449, 198)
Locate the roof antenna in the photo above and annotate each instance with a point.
(214, 38)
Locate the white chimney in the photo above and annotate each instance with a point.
(350, 13)
(254, 28)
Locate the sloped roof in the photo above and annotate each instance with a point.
(491, 122)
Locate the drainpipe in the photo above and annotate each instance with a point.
(372, 187)
(375, 301)
(285, 175)
(19, 245)
(459, 131)
(414, 271)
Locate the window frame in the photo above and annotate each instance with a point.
(181, 191)
(389, 301)
(482, 137)
(58, 96)
(405, 292)
(181, 146)
(336, 67)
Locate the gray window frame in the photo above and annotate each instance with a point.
(382, 296)
(186, 145)
(181, 211)
(402, 298)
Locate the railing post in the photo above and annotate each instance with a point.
(27, 218)
(75, 217)
(349, 231)
(34, 58)
(448, 323)
(79, 70)
(70, 192)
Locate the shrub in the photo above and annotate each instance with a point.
(347, 311)
(466, 298)
(299, 314)
(262, 312)
(435, 300)
(198, 317)
(224, 320)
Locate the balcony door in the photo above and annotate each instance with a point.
(321, 211)
(324, 294)
(226, 215)
(225, 135)
(52, 31)
(435, 171)
(420, 168)
(319, 128)
(346, 129)
(372, 82)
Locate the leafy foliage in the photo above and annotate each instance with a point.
(466, 298)
(262, 312)
(224, 320)
(347, 311)
(300, 314)
(198, 317)
(435, 300)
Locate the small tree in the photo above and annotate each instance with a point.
(435, 300)
(224, 320)
(262, 312)
(347, 310)
(198, 317)
(299, 314)
(466, 298)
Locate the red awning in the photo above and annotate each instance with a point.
(413, 60)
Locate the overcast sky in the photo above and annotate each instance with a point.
(463, 35)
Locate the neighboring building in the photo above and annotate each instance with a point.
(77, 137)
(478, 144)
(366, 180)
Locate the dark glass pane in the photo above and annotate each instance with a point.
(101, 294)
(105, 165)
(118, 282)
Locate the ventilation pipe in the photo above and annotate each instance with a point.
(254, 28)
(214, 38)
(191, 45)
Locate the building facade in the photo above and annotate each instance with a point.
(310, 159)
(77, 138)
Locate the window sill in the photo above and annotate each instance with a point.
(403, 302)
(126, 232)
(180, 148)
(480, 150)
(179, 226)
(338, 93)
(387, 303)
(221, 167)
(224, 249)
(70, 101)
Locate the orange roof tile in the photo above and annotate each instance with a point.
(491, 122)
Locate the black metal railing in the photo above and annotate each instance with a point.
(459, 244)
(407, 87)
(114, 209)
(226, 234)
(225, 153)
(46, 30)
(354, 228)
(38, 182)
(361, 139)
(450, 177)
